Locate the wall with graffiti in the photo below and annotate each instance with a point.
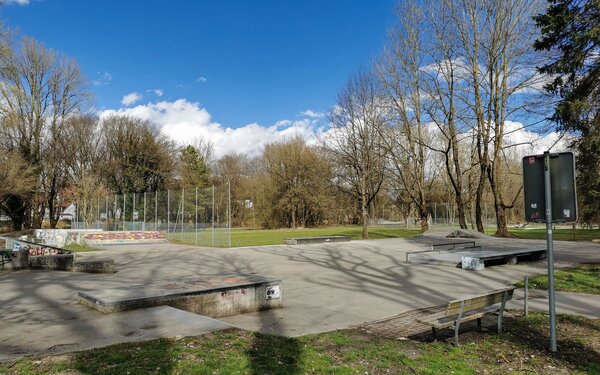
(61, 237)
(132, 237)
(35, 250)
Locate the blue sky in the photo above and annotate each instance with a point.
(243, 61)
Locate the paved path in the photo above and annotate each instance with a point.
(581, 304)
(325, 287)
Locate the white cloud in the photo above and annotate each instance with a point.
(131, 98)
(103, 78)
(202, 79)
(19, 2)
(311, 113)
(183, 121)
(158, 92)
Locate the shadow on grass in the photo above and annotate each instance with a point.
(271, 354)
(156, 357)
(533, 333)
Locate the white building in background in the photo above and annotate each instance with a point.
(68, 213)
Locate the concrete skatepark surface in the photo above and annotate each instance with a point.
(326, 286)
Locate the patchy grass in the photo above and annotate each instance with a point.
(80, 248)
(558, 234)
(259, 237)
(521, 349)
(583, 279)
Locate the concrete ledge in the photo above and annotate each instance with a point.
(105, 265)
(311, 240)
(453, 258)
(210, 296)
(59, 262)
(123, 238)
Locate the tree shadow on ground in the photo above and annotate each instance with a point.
(573, 338)
(157, 357)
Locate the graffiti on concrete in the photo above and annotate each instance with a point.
(38, 251)
(58, 237)
(141, 236)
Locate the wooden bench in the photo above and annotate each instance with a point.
(470, 308)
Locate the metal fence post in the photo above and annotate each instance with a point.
(156, 210)
(213, 217)
(168, 209)
(229, 213)
(144, 224)
(182, 210)
(526, 296)
(133, 212)
(196, 216)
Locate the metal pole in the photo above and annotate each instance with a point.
(133, 212)
(168, 209)
(144, 224)
(434, 213)
(182, 210)
(196, 216)
(213, 217)
(124, 203)
(526, 296)
(106, 210)
(229, 212)
(550, 255)
(156, 210)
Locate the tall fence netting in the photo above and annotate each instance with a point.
(200, 216)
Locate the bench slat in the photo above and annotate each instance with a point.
(449, 321)
(478, 302)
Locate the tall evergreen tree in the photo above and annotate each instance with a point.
(570, 29)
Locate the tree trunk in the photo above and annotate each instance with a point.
(501, 224)
(365, 218)
(424, 222)
(478, 202)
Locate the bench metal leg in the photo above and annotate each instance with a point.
(501, 312)
(434, 333)
(457, 324)
(479, 324)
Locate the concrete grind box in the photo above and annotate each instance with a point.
(214, 297)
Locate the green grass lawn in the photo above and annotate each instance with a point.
(521, 349)
(558, 234)
(583, 279)
(259, 237)
(79, 248)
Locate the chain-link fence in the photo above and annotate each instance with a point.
(440, 214)
(200, 216)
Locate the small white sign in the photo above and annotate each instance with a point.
(567, 213)
(470, 263)
(273, 292)
(534, 205)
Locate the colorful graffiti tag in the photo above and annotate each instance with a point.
(124, 237)
(60, 237)
(38, 251)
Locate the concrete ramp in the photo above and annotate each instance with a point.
(214, 296)
(313, 240)
(123, 238)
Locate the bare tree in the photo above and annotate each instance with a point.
(443, 80)
(19, 183)
(137, 157)
(39, 91)
(406, 136)
(355, 141)
(495, 41)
